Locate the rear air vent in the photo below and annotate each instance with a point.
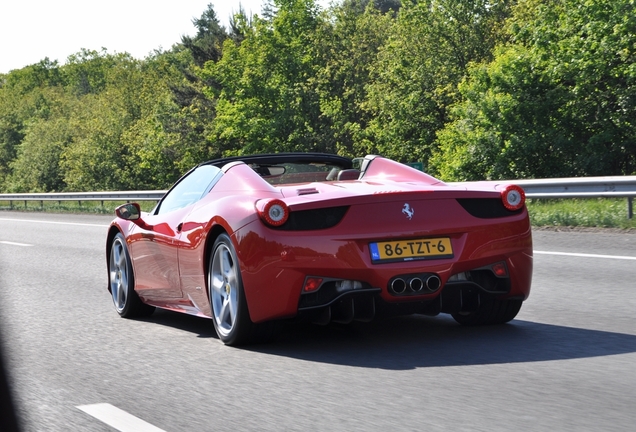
(315, 219)
(486, 208)
(307, 191)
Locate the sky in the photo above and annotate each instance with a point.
(31, 30)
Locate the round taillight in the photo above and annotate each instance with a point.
(275, 212)
(513, 197)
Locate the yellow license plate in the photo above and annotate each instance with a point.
(408, 250)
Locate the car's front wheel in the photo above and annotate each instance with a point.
(493, 311)
(122, 282)
(229, 307)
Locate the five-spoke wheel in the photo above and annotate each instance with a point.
(229, 308)
(121, 280)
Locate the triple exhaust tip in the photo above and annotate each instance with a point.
(416, 284)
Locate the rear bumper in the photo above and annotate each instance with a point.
(275, 265)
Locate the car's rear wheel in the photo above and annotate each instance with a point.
(122, 282)
(490, 312)
(229, 306)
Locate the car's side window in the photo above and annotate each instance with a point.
(189, 189)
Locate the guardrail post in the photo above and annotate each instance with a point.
(630, 207)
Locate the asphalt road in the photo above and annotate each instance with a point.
(567, 363)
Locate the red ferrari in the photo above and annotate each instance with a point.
(250, 240)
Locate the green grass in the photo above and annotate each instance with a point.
(595, 212)
(89, 207)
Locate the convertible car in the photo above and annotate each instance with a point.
(248, 241)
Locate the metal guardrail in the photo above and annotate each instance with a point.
(583, 187)
(575, 187)
(579, 187)
(85, 196)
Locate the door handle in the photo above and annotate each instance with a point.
(179, 227)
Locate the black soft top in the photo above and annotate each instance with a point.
(281, 158)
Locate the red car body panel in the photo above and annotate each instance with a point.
(287, 260)
(390, 202)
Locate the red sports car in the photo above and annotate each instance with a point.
(250, 240)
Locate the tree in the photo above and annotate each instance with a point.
(86, 71)
(36, 167)
(193, 116)
(165, 140)
(26, 95)
(266, 100)
(117, 133)
(418, 71)
(383, 6)
(347, 47)
(208, 42)
(558, 101)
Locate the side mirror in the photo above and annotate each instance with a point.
(130, 211)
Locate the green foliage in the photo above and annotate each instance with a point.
(89, 207)
(207, 44)
(597, 212)
(87, 71)
(164, 141)
(36, 167)
(267, 101)
(42, 74)
(416, 77)
(74, 133)
(347, 48)
(558, 101)
(471, 148)
(383, 6)
(190, 121)
(473, 88)
(28, 95)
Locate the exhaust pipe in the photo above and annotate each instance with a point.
(433, 283)
(398, 285)
(416, 284)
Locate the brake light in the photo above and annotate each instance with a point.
(274, 212)
(513, 197)
(500, 269)
(312, 284)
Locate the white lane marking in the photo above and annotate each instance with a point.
(52, 222)
(14, 243)
(117, 418)
(619, 257)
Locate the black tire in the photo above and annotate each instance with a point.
(491, 311)
(227, 298)
(122, 282)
